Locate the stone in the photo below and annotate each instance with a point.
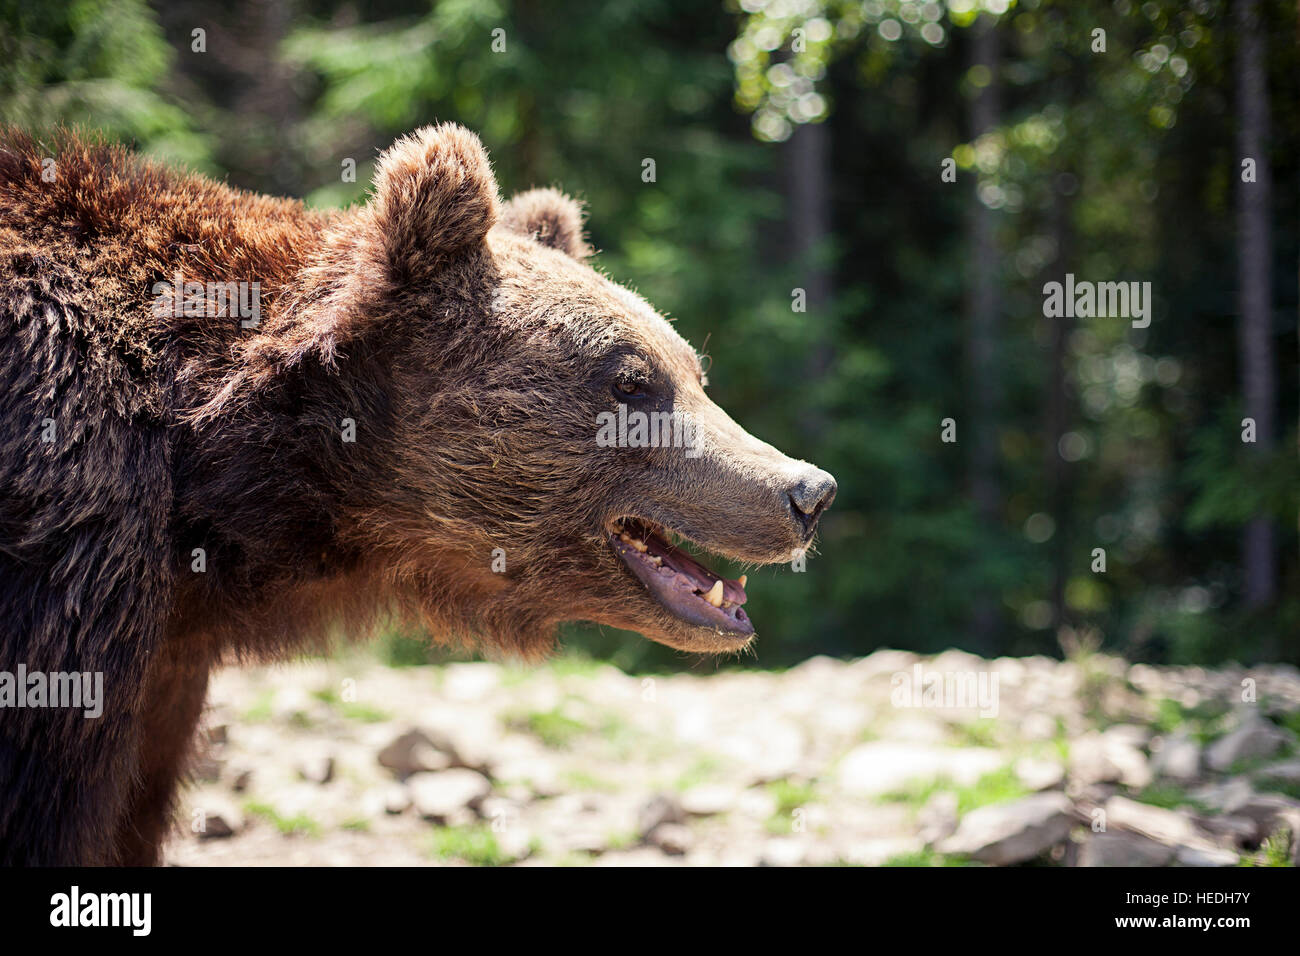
(1255, 739)
(317, 769)
(1037, 774)
(880, 767)
(413, 752)
(938, 819)
(709, 799)
(1006, 833)
(441, 794)
(662, 808)
(1206, 856)
(1108, 758)
(1178, 758)
(1119, 848)
(673, 838)
(1171, 827)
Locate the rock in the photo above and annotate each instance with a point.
(1172, 827)
(1039, 774)
(1222, 794)
(1134, 736)
(880, 766)
(441, 794)
(206, 769)
(1255, 739)
(661, 809)
(937, 820)
(1206, 856)
(215, 817)
(319, 769)
(1119, 848)
(1269, 812)
(390, 799)
(1179, 758)
(413, 752)
(240, 780)
(709, 799)
(1038, 726)
(1108, 758)
(1286, 771)
(1232, 831)
(783, 851)
(1007, 833)
(673, 838)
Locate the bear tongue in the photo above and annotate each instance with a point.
(700, 577)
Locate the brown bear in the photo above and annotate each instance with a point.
(231, 423)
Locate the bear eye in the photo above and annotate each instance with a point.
(628, 387)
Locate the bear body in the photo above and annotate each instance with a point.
(232, 426)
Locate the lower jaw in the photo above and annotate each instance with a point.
(685, 589)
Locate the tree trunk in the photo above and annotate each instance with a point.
(983, 307)
(1254, 282)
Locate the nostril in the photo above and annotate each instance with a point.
(811, 496)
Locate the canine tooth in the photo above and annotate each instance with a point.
(714, 596)
(625, 537)
(656, 561)
(743, 579)
(640, 545)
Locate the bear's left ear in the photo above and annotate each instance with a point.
(548, 216)
(435, 195)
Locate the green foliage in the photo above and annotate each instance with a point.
(472, 844)
(298, 824)
(1119, 165)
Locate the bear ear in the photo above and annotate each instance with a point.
(435, 195)
(548, 216)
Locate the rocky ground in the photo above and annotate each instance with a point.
(1090, 762)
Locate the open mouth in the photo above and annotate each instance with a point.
(682, 586)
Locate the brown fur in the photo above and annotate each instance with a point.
(467, 339)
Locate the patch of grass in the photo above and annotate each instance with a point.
(998, 786)
(260, 712)
(584, 780)
(1289, 720)
(1275, 851)
(621, 839)
(1168, 796)
(553, 727)
(977, 733)
(364, 713)
(790, 796)
(927, 857)
(1289, 788)
(703, 769)
(357, 824)
(915, 793)
(298, 825)
(472, 844)
(352, 710)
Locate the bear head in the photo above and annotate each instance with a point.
(543, 443)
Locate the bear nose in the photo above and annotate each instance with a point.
(810, 496)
